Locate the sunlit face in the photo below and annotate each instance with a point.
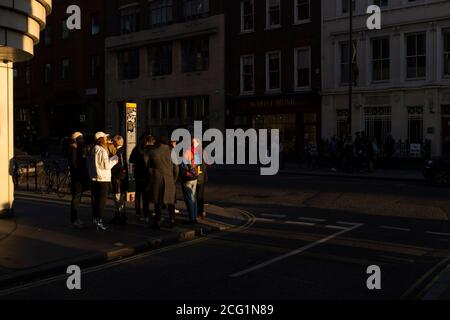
(195, 142)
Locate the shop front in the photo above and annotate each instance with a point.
(297, 118)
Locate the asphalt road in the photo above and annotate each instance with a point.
(309, 238)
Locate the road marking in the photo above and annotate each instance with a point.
(264, 220)
(311, 219)
(281, 216)
(335, 227)
(308, 224)
(349, 223)
(395, 228)
(438, 233)
(295, 252)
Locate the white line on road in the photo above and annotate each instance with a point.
(280, 216)
(438, 233)
(311, 219)
(335, 227)
(348, 223)
(295, 252)
(308, 224)
(395, 228)
(264, 220)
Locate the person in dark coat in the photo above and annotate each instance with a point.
(79, 176)
(141, 176)
(163, 173)
(119, 182)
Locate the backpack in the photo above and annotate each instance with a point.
(188, 172)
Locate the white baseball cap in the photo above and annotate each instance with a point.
(100, 134)
(76, 135)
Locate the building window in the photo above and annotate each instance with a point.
(64, 30)
(303, 67)
(194, 9)
(95, 24)
(416, 58)
(65, 69)
(247, 15)
(129, 20)
(95, 64)
(302, 10)
(161, 13)
(447, 52)
(273, 14)
(128, 64)
(160, 60)
(380, 59)
(47, 73)
(273, 71)
(247, 74)
(48, 36)
(344, 61)
(378, 123)
(415, 125)
(195, 55)
(346, 6)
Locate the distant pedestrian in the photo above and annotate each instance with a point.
(162, 174)
(202, 177)
(79, 176)
(100, 166)
(189, 176)
(119, 182)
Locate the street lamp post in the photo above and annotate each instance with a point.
(20, 25)
(350, 69)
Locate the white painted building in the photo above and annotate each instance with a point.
(403, 71)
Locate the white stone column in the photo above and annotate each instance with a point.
(6, 138)
(21, 22)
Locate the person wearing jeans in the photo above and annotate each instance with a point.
(189, 194)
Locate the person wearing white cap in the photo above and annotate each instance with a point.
(100, 165)
(79, 176)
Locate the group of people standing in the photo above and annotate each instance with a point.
(101, 167)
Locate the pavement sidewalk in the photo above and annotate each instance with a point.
(295, 169)
(39, 240)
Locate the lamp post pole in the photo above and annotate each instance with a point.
(350, 68)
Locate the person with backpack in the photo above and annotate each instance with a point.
(189, 176)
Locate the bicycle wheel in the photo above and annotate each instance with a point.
(63, 187)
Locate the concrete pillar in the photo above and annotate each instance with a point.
(21, 22)
(6, 138)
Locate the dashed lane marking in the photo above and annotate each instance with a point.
(308, 224)
(438, 233)
(395, 228)
(311, 219)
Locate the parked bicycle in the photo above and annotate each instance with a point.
(56, 177)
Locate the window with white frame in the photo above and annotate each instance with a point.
(345, 61)
(303, 67)
(161, 13)
(247, 74)
(302, 10)
(247, 15)
(446, 52)
(273, 71)
(416, 56)
(380, 59)
(273, 14)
